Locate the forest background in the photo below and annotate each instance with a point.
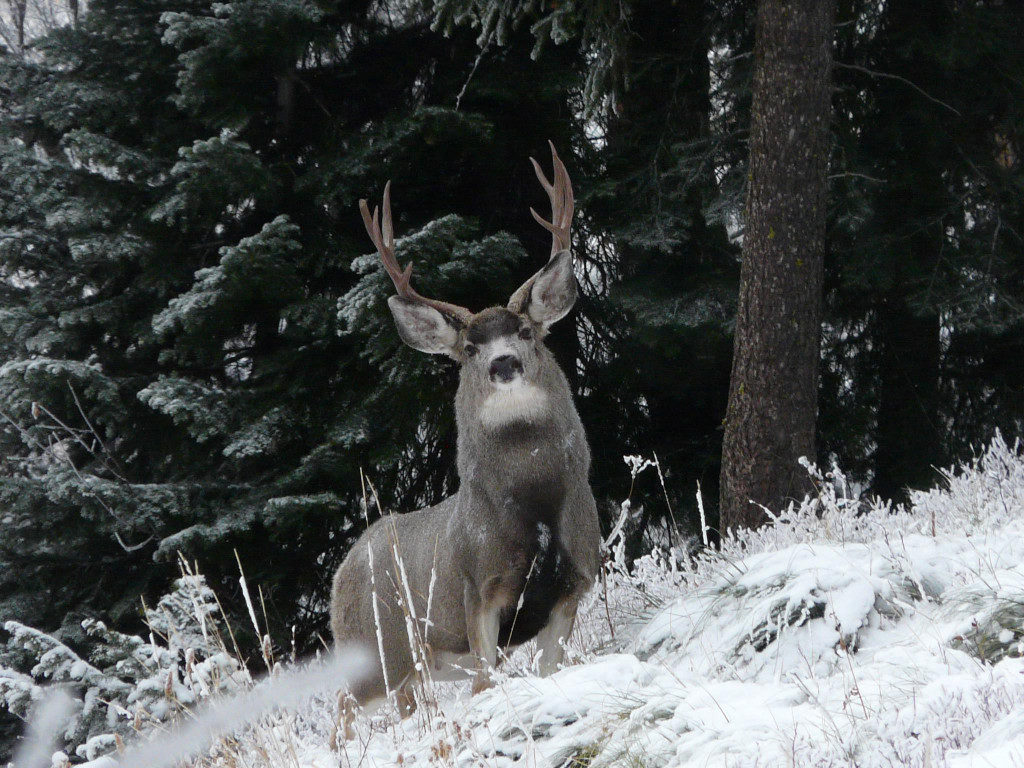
(195, 353)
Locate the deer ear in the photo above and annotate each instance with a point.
(422, 327)
(552, 291)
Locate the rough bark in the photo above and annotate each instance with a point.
(285, 102)
(770, 420)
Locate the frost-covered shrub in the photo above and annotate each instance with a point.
(993, 628)
(803, 607)
(980, 495)
(126, 682)
(800, 592)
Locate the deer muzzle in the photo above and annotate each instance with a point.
(505, 368)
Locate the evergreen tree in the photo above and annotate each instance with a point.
(87, 135)
(923, 317)
(672, 298)
(125, 684)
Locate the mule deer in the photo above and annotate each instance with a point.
(509, 556)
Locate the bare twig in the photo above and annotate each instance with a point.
(664, 491)
(465, 85)
(890, 76)
(95, 433)
(854, 174)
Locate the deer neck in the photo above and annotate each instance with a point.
(527, 461)
(517, 471)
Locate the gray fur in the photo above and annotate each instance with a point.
(524, 503)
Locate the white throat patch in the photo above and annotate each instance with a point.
(518, 403)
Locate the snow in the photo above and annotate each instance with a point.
(845, 633)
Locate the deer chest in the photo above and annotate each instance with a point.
(546, 580)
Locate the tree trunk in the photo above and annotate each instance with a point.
(773, 391)
(19, 9)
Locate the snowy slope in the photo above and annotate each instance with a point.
(843, 634)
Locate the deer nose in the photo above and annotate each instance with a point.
(506, 368)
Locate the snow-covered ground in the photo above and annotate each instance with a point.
(845, 634)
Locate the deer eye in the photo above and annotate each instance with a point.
(471, 349)
(526, 333)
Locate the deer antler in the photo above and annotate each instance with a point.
(560, 193)
(383, 236)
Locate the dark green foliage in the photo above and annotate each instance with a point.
(675, 291)
(925, 282)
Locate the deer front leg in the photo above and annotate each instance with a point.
(482, 624)
(346, 716)
(406, 697)
(555, 632)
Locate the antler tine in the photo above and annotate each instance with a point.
(381, 232)
(560, 193)
(389, 232)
